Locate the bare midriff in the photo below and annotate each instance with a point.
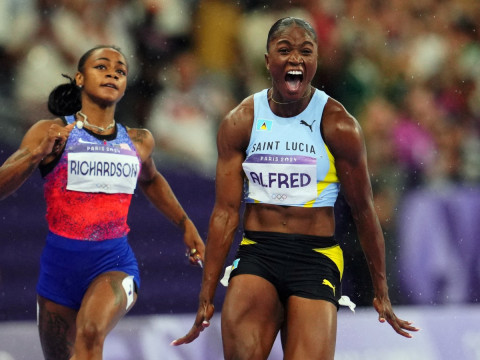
(290, 219)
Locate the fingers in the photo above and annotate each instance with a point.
(400, 326)
(380, 310)
(59, 134)
(65, 131)
(192, 334)
(385, 313)
(407, 325)
(194, 257)
(201, 323)
(56, 139)
(60, 131)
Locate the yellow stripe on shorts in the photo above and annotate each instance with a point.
(246, 241)
(335, 254)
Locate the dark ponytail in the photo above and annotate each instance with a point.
(65, 99)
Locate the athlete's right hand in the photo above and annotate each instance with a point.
(202, 321)
(55, 139)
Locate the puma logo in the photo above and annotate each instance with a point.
(303, 122)
(329, 284)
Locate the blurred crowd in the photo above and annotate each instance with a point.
(408, 70)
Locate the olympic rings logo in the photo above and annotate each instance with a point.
(103, 186)
(280, 197)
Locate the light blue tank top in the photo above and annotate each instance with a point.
(287, 162)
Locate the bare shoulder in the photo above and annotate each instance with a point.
(46, 123)
(139, 135)
(337, 119)
(242, 111)
(39, 129)
(341, 130)
(143, 141)
(236, 127)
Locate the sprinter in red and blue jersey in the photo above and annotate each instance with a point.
(92, 165)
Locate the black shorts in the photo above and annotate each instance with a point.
(302, 265)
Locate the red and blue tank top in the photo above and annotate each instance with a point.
(89, 189)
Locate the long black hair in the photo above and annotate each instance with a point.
(66, 99)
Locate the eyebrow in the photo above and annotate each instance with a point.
(307, 42)
(107, 59)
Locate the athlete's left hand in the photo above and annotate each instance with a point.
(385, 313)
(195, 245)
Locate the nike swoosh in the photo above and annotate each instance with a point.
(86, 142)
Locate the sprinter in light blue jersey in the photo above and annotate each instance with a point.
(288, 162)
(287, 151)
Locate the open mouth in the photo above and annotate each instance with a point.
(110, 86)
(294, 78)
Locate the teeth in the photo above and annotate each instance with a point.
(295, 72)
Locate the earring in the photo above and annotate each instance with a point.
(80, 86)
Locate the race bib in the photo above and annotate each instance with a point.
(105, 169)
(281, 179)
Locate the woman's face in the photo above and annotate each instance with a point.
(104, 76)
(292, 61)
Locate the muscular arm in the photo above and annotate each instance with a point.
(41, 143)
(344, 137)
(153, 184)
(16, 169)
(232, 140)
(345, 140)
(158, 191)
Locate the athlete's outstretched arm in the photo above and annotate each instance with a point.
(345, 139)
(232, 140)
(158, 191)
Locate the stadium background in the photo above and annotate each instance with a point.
(408, 70)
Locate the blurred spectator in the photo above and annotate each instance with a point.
(11, 12)
(55, 34)
(12, 19)
(159, 29)
(214, 39)
(41, 59)
(413, 139)
(185, 115)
